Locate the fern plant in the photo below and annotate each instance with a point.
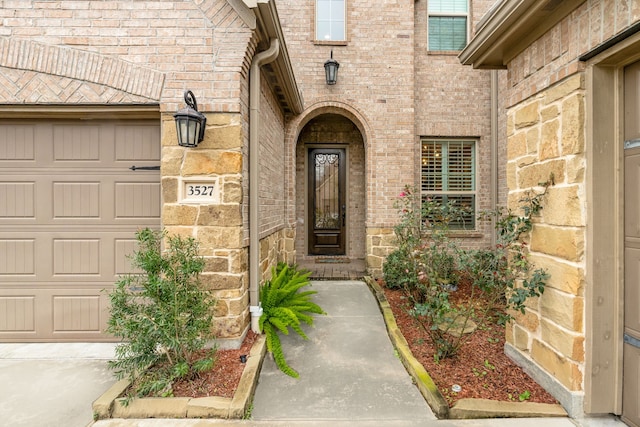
(283, 307)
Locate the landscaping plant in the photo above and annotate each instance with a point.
(428, 267)
(163, 315)
(283, 307)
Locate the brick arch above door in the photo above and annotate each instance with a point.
(359, 119)
(335, 133)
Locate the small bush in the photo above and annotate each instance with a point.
(399, 270)
(163, 315)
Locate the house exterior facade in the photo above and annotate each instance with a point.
(89, 89)
(290, 169)
(572, 111)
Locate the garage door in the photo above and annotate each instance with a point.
(72, 196)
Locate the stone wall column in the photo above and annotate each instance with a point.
(217, 224)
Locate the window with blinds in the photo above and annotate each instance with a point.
(449, 176)
(447, 24)
(330, 20)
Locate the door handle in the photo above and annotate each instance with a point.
(344, 215)
(144, 168)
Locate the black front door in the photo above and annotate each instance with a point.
(327, 208)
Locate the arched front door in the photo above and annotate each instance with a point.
(330, 191)
(327, 202)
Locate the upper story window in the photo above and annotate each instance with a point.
(449, 177)
(330, 20)
(448, 24)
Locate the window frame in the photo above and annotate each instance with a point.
(445, 193)
(315, 27)
(466, 15)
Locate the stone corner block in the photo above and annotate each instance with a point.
(103, 405)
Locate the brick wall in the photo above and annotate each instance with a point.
(455, 101)
(375, 79)
(127, 45)
(271, 159)
(554, 56)
(399, 91)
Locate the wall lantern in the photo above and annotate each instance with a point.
(331, 70)
(190, 123)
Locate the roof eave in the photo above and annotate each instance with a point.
(268, 23)
(509, 27)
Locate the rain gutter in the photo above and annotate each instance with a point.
(259, 59)
(266, 23)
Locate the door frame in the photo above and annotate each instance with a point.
(604, 289)
(307, 207)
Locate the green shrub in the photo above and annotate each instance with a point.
(427, 266)
(163, 315)
(399, 270)
(283, 307)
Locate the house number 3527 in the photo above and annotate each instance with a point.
(200, 190)
(206, 192)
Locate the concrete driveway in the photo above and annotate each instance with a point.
(52, 384)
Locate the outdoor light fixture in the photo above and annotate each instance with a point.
(331, 70)
(190, 123)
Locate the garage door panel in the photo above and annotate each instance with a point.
(17, 199)
(18, 259)
(76, 200)
(70, 205)
(17, 142)
(17, 313)
(39, 315)
(76, 313)
(137, 200)
(51, 258)
(75, 143)
(137, 143)
(123, 249)
(120, 198)
(76, 257)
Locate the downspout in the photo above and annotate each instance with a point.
(259, 59)
(494, 151)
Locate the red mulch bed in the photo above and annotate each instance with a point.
(223, 379)
(480, 368)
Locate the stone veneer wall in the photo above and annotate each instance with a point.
(380, 243)
(218, 228)
(546, 140)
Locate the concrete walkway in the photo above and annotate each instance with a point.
(349, 375)
(348, 369)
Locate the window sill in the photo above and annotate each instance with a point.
(444, 52)
(330, 42)
(462, 234)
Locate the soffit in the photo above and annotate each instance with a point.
(279, 72)
(509, 27)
